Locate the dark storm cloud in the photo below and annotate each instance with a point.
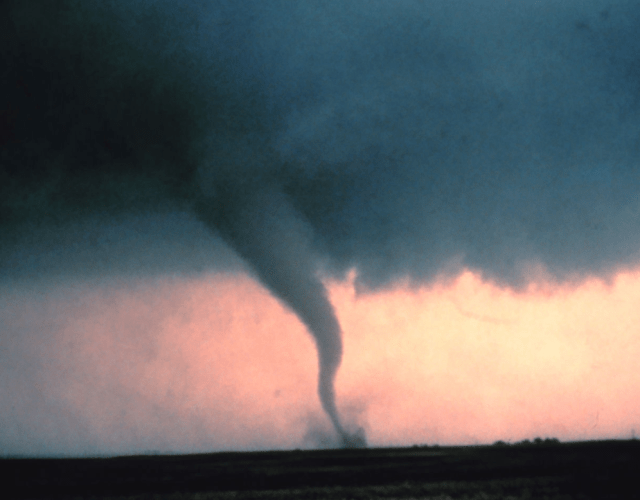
(410, 137)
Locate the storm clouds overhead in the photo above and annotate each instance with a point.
(402, 141)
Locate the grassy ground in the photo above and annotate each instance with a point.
(514, 489)
(594, 470)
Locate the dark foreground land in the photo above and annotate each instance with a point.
(603, 469)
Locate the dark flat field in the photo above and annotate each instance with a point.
(597, 469)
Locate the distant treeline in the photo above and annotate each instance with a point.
(526, 442)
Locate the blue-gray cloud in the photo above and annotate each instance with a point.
(410, 137)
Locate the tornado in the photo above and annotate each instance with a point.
(410, 140)
(266, 231)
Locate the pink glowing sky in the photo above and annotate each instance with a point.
(216, 363)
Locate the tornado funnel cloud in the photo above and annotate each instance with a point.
(268, 233)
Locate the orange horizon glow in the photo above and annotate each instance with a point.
(218, 363)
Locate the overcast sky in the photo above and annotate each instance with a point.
(189, 189)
